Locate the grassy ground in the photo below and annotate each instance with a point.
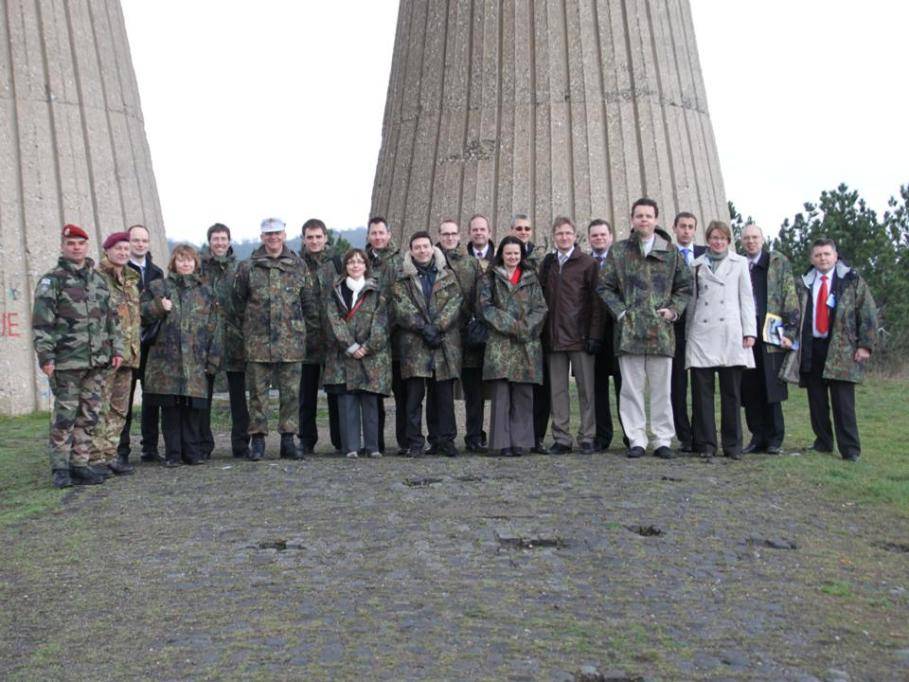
(24, 470)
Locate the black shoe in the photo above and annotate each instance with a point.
(433, 449)
(288, 447)
(449, 449)
(753, 447)
(197, 461)
(121, 468)
(559, 449)
(403, 452)
(306, 449)
(773, 450)
(588, 448)
(86, 476)
(635, 452)
(851, 457)
(241, 454)
(474, 447)
(817, 447)
(602, 445)
(687, 448)
(150, 457)
(518, 452)
(62, 478)
(257, 451)
(539, 448)
(707, 454)
(415, 452)
(734, 454)
(171, 463)
(664, 452)
(101, 470)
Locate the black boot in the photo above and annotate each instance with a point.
(85, 475)
(121, 467)
(288, 447)
(101, 470)
(62, 478)
(257, 451)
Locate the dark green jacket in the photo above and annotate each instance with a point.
(515, 314)
(321, 267)
(124, 298)
(187, 347)
(853, 325)
(219, 273)
(468, 271)
(74, 324)
(366, 326)
(412, 313)
(384, 267)
(276, 299)
(782, 298)
(634, 287)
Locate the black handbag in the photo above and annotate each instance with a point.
(477, 334)
(149, 333)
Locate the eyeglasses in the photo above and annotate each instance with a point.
(521, 228)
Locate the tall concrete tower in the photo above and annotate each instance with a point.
(545, 107)
(72, 150)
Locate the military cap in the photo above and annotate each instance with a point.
(115, 238)
(273, 225)
(74, 231)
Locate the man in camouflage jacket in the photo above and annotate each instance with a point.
(427, 305)
(123, 284)
(219, 270)
(76, 340)
(838, 334)
(763, 392)
(468, 271)
(646, 286)
(275, 297)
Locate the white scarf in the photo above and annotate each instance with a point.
(355, 285)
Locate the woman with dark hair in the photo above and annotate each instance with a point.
(186, 350)
(511, 303)
(358, 356)
(720, 328)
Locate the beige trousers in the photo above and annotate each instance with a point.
(637, 372)
(582, 368)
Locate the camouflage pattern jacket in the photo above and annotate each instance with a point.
(853, 325)
(468, 271)
(219, 273)
(366, 325)
(276, 299)
(74, 323)
(634, 287)
(384, 267)
(782, 298)
(534, 255)
(187, 347)
(124, 298)
(412, 313)
(515, 314)
(321, 267)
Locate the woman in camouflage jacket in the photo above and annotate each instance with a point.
(358, 355)
(186, 349)
(512, 304)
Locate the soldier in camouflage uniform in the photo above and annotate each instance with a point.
(468, 271)
(511, 303)
(533, 256)
(838, 334)
(358, 355)
(275, 297)
(646, 286)
(763, 392)
(123, 284)
(427, 305)
(219, 269)
(324, 267)
(76, 340)
(185, 355)
(385, 261)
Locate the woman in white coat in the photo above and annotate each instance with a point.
(720, 330)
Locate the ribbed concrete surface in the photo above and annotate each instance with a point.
(72, 149)
(553, 107)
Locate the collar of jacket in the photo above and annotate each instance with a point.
(841, 271)
(455, 254)
(126, 274)
(69, 266)
(528, 276)
(287, 260)
(208, 257)
(731, 257)
(369, 285)
(409, 269)
(661, 243)
(383, 255)
(316, 258)
(185, 281)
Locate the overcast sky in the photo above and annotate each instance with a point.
(275, 107)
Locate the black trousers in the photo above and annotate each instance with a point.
(764, 419)
(151, 415)
(541, 406)
(824, 393)
(679, 394)
(730, 409)
(603, 366)
(442, 429)
(309, 406)
(472, 385)
(399, 391)
(239, 416)
(182, 426)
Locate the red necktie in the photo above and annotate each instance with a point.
(822, 313)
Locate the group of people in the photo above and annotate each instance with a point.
(506, 323)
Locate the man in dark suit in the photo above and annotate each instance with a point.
(140, 260)
(600, 235)
(685, 226)
(480, 245)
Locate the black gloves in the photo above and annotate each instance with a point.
(593, 346)
(432, 335)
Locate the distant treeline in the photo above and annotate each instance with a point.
(355, 237)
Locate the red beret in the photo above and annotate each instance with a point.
(74, 231)
(115, 238)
